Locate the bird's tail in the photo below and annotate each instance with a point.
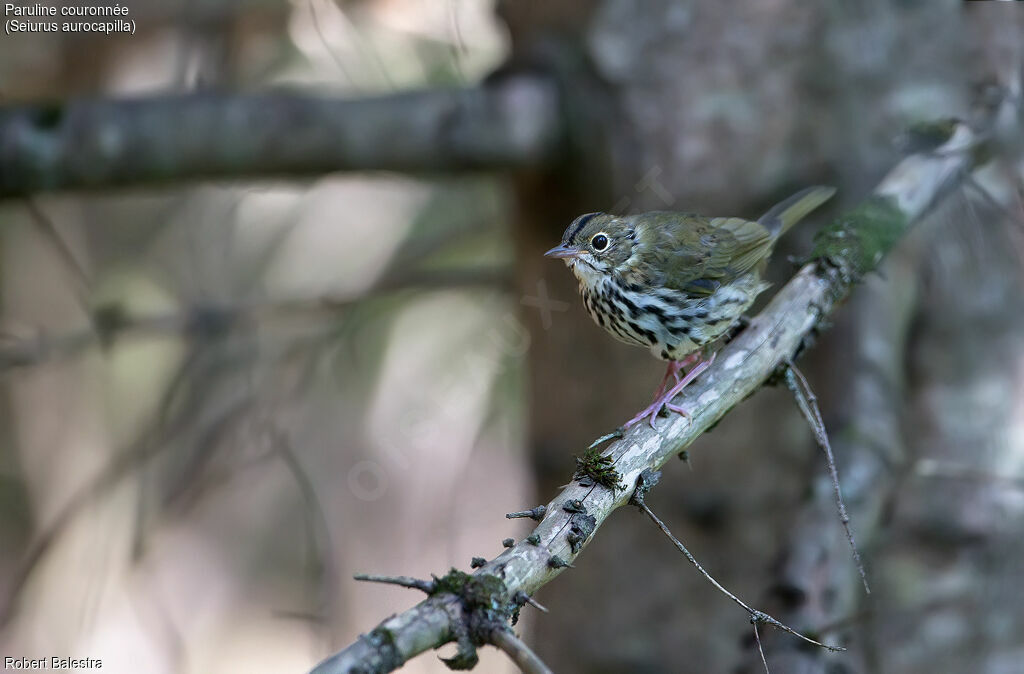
(787, 213)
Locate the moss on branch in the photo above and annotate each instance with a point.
(857, 240)
(599, 468)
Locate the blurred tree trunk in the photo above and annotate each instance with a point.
(723, 109)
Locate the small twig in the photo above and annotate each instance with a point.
(338, 62)
(536, 514)
(617, 434)
(757, 638)
(405, 581)
(756, 615)
(808, 404)
(519, 652)
(523, 598)
(318, 532)
(50, 232)
(535, 604)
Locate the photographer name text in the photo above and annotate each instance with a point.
(23, 664)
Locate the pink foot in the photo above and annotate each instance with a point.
(649, 411)
(678, 409)
(663, 398)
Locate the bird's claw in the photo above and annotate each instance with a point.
(650, 413)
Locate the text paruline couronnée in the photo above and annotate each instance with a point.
(39, 9)
(31, 18)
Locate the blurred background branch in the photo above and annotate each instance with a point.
(210, 322)
(512, 123)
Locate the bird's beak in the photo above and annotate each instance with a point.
(562, 251)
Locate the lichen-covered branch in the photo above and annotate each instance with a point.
(427, 625)
(510, 123)
(520, 653)
(848, 248)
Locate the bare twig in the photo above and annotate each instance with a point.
(405, 581)
(338, 61)
(760, 649)
(755, 615)
(318, 533)
(535, 604)
(808, 404)
(519, 652)
(533, 513)
(614, 435)
(46, 227)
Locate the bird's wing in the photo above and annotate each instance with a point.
(697, 255)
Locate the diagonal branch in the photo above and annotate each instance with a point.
(808, 404)
(756, 616)
(850, 247)
(520, 653)
(514, 122)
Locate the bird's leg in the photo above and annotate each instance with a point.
(660, 396)
(690, 376)
(676, 366)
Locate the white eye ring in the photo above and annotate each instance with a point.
(600, 241)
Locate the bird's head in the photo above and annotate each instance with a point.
(596, 244)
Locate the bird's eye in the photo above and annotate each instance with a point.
(599, 242)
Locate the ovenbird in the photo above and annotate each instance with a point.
(675, 282)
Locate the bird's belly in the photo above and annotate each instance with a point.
(616, 320)
(668, 322)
